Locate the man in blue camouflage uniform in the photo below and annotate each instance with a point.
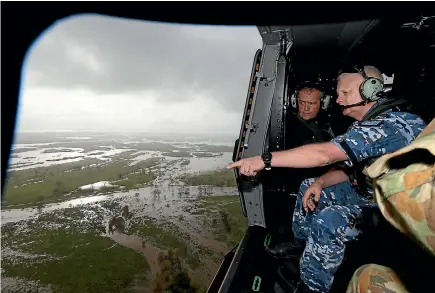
(330, 208)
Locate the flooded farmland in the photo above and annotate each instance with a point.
(96, 213)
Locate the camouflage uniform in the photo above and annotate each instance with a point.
(405, 197)
(341, 194)
(375, 278)
(336, 224)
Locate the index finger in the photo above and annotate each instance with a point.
(304, 200)
(317, 196)
(234, 165)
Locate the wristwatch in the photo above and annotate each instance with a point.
(267, 159)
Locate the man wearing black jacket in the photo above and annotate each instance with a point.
(308, 125)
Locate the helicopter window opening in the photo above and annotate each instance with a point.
(120, 123)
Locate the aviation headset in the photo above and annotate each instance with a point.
(324, 99)
(372, 88)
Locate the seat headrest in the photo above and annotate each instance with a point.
(388, 88)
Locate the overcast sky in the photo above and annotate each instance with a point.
(110, 74)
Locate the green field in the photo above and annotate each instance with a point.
(47, 184)
(222, 215)
(70, 255)
(72, 242)
(166, 236)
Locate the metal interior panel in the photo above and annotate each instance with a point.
(341, 35)
(258, 128)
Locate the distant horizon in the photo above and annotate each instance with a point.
(28, 137)
(126, 132)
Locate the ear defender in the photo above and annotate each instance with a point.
(370, 89)
(325, 101)
(293, 100)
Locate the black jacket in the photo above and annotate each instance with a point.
(300, 132)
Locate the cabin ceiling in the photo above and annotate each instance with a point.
(405, 48)
(388, 44)
(339, 35)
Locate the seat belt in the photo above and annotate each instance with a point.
(358, 180)
(314, 127)
(390, 104)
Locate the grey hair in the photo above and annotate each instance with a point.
(370, 71)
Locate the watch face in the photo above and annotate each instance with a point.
(267, 159)
(267, 156)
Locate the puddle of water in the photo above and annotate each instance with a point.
(96, 185)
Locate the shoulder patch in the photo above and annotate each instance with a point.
(371, 123)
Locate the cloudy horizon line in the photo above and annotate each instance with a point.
(119, 75)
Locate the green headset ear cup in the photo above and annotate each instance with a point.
(325, 101)
(369, 89)
(293, 100)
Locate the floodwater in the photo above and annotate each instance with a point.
(175, 196)
(44, 157)
(40, 158)
(13, 284)
(97, 185)
(166, 200)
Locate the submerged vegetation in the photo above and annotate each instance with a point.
(54, 182)
(172, 277)
(68, 251)
(219, 178)
(157, 239)
(222, 215)
(76, 242)
(166, 236)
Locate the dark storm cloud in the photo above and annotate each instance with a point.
(113, 56)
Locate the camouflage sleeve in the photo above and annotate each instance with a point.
(369, 139)
(374, 278)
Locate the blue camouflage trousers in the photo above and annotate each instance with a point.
(326, 231)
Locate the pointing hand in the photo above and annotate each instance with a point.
(248, 166)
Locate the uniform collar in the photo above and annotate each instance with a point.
(376, 105)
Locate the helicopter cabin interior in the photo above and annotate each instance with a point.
(399, 48)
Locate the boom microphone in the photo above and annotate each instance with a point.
(353, 105)
(377, 97)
